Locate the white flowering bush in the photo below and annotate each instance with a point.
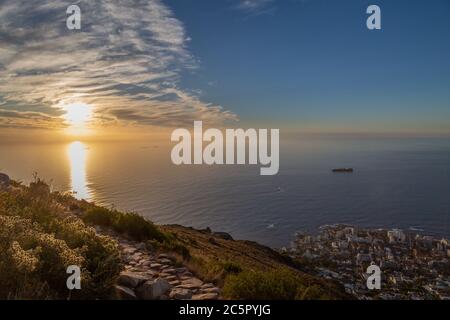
(38, 241)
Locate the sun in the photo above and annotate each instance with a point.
(77, 115)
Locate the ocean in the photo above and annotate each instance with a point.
(396, 183)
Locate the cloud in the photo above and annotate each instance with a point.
(17, 119)
(255, 6)
(126, 61)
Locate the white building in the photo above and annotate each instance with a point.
(396, 236)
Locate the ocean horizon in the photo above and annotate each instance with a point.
(396, 183)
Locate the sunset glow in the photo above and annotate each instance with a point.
(77, 116)
(77, 154)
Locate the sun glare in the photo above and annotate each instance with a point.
(77, 116)
(77, 154)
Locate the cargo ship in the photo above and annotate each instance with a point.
(343, 170)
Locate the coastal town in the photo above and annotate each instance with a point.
(413, 266)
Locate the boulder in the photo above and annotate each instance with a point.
(165, 261)
(136, 257)
(174, 283)
(125, 293)
(193, 282)
(153, 289)
(169, 270)
(171, 278)
(4, 181)
(223, 235)
(180, 294)
(206, 230)
(211, 290)
(181, 270)
(129, 250)
(188, 286)
(146, 263)
(132, 279)
(141, 246)
(213, 241)
(207, 286)
(164, 275)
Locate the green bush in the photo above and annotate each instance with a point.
(231, 267)
(170, 243)
(131, 224)
(100, 216)
(279, 284)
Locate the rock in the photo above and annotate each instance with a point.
(169, 270)
(153, 289)
(136, 257)
(146, 263)
(165, 261)
(131, 279)
(213, 241)
(129, 250)
(193, 281)
(171, 278)
(211, 290)
(188, 286)
(150, 273)
(155, 265)
(180, 270)
(164, 275)
(222, 235)
(141, 246)
(174, 283)
(206, 296)
(206, 230)
(4, 181)
(163, 256)
(180, 294)
(125, 293)
(207, 286)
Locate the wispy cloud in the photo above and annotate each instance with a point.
(126, 61)
(255, 6)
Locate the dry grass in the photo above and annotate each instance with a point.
(239, 264)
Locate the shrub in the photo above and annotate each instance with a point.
(231, 267)
(135, 226)
(170, 243)
(31, 260)
(38, 241)
(99, 216)
(279, 284)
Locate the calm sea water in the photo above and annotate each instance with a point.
(397, 183)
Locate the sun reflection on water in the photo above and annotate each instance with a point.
(77, 153)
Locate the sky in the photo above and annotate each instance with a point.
(300, 65)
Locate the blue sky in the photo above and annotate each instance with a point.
(315, 61)
(301, 64)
